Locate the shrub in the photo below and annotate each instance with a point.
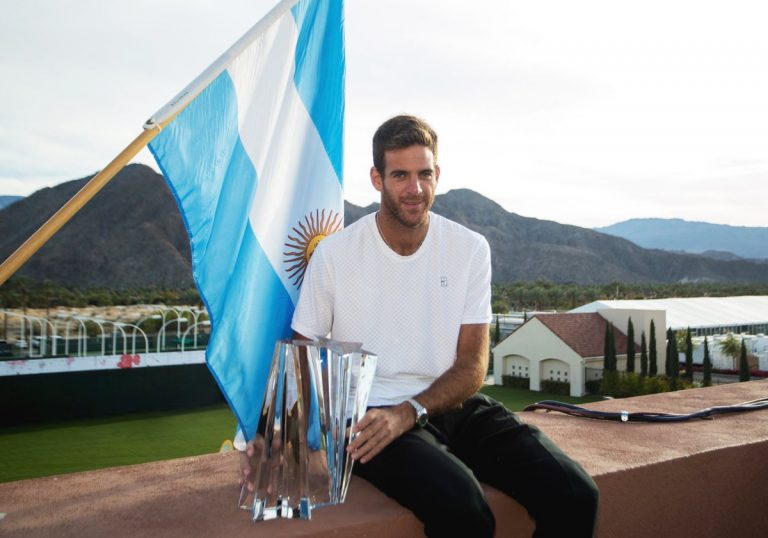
(593, 386)
(621, 385)
(609, 384)
(630, 384)
(654, 385)
(625, 385)
(556, 387)
(516, 382)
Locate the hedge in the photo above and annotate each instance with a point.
(516, 382)
(556, 387)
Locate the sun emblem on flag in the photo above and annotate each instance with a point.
(304, 238)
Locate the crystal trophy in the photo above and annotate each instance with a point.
(316, 391)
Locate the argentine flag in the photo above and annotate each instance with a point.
(255, 163)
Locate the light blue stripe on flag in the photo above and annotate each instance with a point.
(256, 172)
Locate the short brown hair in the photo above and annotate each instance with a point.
(402, 132)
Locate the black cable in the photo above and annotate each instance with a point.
(625, 416)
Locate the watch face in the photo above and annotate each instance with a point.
(422, 418)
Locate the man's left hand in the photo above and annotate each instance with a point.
(378, 428)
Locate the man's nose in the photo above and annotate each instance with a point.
(414, 186)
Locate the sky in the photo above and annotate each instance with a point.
(586, 113)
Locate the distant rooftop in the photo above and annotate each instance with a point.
(697, 312)
(583, 332)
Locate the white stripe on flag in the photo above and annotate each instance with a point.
(274, 136)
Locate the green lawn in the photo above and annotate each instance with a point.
(66, 447)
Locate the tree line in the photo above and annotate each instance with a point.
(23, 292)
(647, 380)
(544, 295)
(520, 296)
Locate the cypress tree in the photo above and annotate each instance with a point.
(688, 356)
(630, 346)
(609, 349)
(643, 355)
(497, 333)
(653, 366)
(674, 360)
(707, 365)
(743, 363)
(668, 361)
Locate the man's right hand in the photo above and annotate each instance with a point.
(378, 428)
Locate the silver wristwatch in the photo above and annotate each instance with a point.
(422, 416)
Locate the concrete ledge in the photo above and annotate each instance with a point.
(704, 478)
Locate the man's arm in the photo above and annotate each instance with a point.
(381, 426)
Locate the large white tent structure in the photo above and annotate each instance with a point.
(704, 315)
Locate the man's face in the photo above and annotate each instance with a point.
(407, 184)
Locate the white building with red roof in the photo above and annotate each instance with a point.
(569, 347)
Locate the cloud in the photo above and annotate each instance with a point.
(582, 112)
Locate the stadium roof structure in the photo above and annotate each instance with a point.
(696, 312)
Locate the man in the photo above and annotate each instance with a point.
(414, 288)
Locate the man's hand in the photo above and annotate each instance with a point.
(378, 428)
(253, 448)
(246, 470)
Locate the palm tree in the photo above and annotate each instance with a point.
(731, 347)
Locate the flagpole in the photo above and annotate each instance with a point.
(69, 209)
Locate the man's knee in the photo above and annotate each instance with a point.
(587, 498)
(576, 504)
(461, 514)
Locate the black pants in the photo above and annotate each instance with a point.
(434, 472)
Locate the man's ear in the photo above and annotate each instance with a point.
(437, 173)
(376, 180)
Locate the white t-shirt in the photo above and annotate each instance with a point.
(406, 309)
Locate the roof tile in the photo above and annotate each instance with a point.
(583, 332)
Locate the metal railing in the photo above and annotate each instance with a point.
(74, 335)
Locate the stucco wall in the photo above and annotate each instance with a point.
(703, 478)
(641, 321)
(535, 342)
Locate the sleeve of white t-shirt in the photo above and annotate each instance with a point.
(313, 316)
(477, 308)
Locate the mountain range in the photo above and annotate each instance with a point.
(714, 240)
(7, 200)
(131, 235)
